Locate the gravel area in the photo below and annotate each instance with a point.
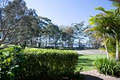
(95, 75)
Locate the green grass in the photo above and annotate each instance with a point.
(87, 61)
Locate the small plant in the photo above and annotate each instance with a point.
(108, 66)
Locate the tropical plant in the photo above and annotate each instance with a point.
(106, 26)
(108, 66)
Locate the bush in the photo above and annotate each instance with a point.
(37, 64)
(108, 66)
(49, 64)
(9, 59)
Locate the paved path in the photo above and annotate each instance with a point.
(90, 51)
(95, 75)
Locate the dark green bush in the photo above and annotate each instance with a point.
(9, 59)
(37, 64)
(49, 64)
(108, 66)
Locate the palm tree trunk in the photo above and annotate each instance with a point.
(108, 56)
(117, 48)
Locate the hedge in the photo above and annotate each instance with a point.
(44, 64)
(49, 64)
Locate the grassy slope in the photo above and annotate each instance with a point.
(87, 61)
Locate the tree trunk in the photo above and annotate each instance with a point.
(39, 42)
(62, 44)
(55, 45)
(49, 41)
(46, 44)
(79, 44)
(117, 48)
(0, 24)
(72, 43)
(107, 51)
(0, 15)
(24, 44)
(68, 44)
(31, 43)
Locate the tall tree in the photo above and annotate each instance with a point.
(107, 23)
(18, 23)
(67, 36)
(79, 29)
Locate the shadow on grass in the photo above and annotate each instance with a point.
(85, 62)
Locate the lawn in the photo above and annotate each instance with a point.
(86, 61)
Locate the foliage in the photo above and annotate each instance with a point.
(49, 64)
(79, 32)
(52, 33)
(37, 64)
(115, 0)
(106, 26)
(107, 66)
(67, 36)
(18, 23)
(10, 57)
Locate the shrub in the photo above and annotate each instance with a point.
(108, 66)
(37, 64)
(49, 64)
(9, 59)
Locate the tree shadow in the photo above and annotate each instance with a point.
(84, 62)
(80, 55)
(89, 77)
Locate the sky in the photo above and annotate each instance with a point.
(66, 12)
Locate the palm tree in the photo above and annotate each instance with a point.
(107, 24)
(99, 31)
